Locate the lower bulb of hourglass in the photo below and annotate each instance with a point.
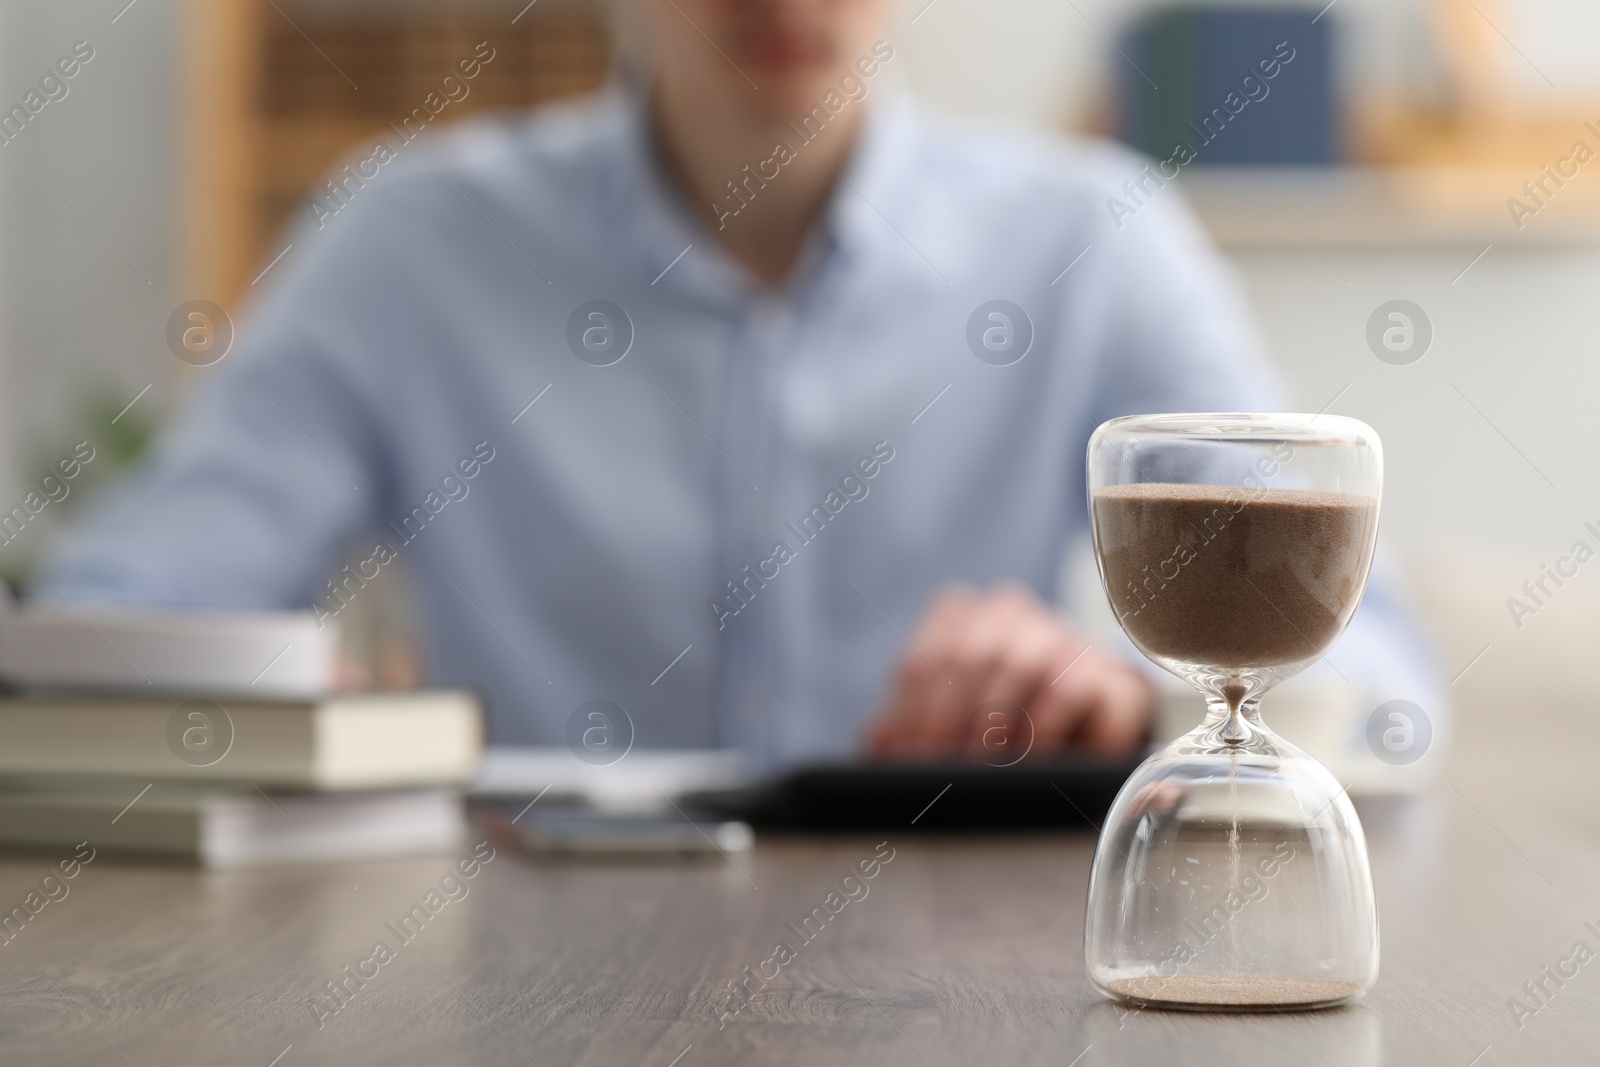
(1232, 877)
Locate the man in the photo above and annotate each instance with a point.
(745, 398)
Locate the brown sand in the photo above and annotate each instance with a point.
(1236, 991)
(1228, 577)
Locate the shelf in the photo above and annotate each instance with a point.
(1402, 208)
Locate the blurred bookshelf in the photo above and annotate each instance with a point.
(279, 92)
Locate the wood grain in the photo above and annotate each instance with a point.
(965, 950)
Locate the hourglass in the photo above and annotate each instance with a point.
(1231, 873)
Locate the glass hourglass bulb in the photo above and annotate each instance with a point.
(1232, 873)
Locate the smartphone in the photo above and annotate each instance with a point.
(585, 832)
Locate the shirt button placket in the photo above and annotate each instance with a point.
(744, 528)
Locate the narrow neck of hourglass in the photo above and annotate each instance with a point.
(1230, 725)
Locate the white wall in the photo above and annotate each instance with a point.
(76, 319)
(7, 242)
(1512, 337)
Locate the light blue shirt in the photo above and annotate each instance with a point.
(761, 488)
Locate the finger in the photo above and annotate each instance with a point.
(968, 662)
(1063, 703)
(930, 697)
(1051, 707)
(917, 677)
(350, 675)
(1002, 728)
(1118, 721)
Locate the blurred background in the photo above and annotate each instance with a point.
(1383, 166)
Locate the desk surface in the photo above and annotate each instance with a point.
(965, 950)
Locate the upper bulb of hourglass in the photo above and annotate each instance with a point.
(1233, 587)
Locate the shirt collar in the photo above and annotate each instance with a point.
(662, 225)
(853, 221)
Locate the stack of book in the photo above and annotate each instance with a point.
(219, 739)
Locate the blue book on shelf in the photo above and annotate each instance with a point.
(1236, 85)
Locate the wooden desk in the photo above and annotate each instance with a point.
(965, 951)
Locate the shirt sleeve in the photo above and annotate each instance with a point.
(262, 483)
(1175, 331)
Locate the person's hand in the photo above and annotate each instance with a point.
(996, 673)
(350, 675)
